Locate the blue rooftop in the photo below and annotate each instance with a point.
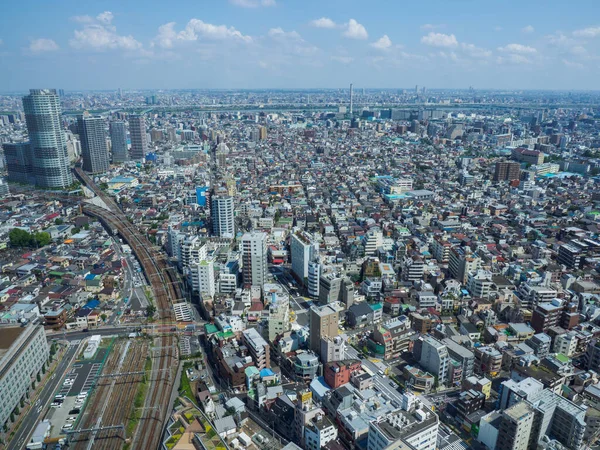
(122, 180)
(266, 373)
(92, 304)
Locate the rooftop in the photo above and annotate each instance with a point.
(8, 336)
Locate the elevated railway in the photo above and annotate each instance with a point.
(166, 291)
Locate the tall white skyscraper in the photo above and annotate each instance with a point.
(50, 159)
(139, 139)
(94, 148)
(221, 214)
(254, 256)
(118, 138)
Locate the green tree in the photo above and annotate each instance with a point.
(86, 226)
(150, 310)
(42, 238)
(58, 221)
(38, 378)
(22, 402)
(12, 417)
(75, 230)
(20, 238)
(103, 317)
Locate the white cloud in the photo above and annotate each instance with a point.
(279, 33)
(572, 64)
(513, 58)
(166, 35)
(590, 32)
(323, 22)
(291, 42)
(559, 39)
(98, 37)
(439, 40)
(343, 59)
(1, 42)
(355, 30)
(99, 34)
(195, 30)
(82, 19)
(518, 49)
(43, 45)
(106, 17)
(528, 29)
(383, 43)
(474, 51)
(498, 28)
(578, 50)
(252, 3)
(431, 26)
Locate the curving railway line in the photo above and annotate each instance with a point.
(167, 291)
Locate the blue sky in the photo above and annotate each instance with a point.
(525, 44)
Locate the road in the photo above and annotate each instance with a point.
(105, 331)
(31, 419)
(297, 302)
(130, 278)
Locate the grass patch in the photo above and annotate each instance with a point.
(185, 388)
(149, 296)
(138, 401)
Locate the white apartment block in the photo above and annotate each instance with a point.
(201, 277)
(192, 249)
(23, 351)
(302, 250)
(416, 426)
(254, 257)
(227, 282)
(319, 432)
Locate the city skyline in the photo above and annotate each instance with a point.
(257, 44)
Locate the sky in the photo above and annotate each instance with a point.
(258, 44)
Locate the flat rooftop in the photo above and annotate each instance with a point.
(8, 335)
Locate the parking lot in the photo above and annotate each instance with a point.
(70, 399)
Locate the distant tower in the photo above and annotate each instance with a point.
(139, 141)
(94, 148)
(351, 98)
(50, 159)
(416, 89)
(118, 138)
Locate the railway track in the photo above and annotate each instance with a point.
(113, 399)
(167, 291)
(98, 396)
